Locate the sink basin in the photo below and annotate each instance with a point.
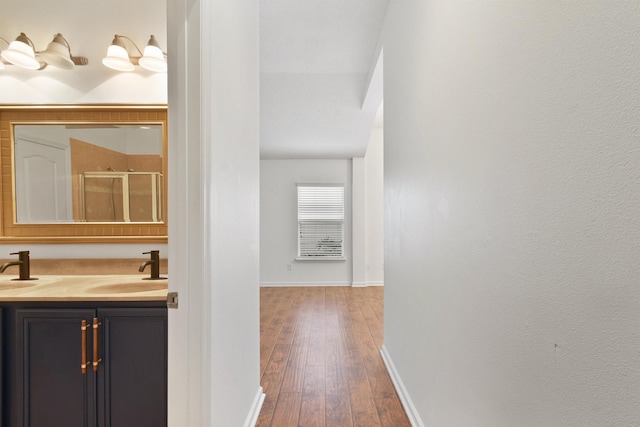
(17, 284)
(8, 283)
(129, 287)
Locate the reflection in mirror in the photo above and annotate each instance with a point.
(88, 173)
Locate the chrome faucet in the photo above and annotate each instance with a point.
(155, 265)
(23, 262)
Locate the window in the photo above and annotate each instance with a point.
(320, 221)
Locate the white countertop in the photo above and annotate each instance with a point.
(83, 288)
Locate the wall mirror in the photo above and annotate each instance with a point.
(83, 173)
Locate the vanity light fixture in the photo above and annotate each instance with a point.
(22, 53)
(58, 54)
(118, 57)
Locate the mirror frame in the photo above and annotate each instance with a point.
(76, 232)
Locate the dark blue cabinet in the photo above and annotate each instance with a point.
(111, 373)
(50, 388)
(2, 350)
(133, 381)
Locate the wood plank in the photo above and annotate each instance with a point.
(372, 321)
(320, 359)
(294, 372)
(271, 320)
(287, 411)
(337, 390)
(317, 339)
(312, 408)
(391, 412)
(339, 420)
(360, 395)
(275, 362)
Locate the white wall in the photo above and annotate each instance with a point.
(214, 352)
(512, 175)
(364, 264)
(278, 223)
(374, 208)
(89, 28)
(358, 223)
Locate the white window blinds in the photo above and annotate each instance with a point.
(320, 221)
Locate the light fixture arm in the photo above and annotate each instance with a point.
(60, 37)
(2, 61)
(119, 42)
(5, 42)
(24, 39)
(66, 43)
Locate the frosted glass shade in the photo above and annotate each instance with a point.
(153, 59)
(21, 54)
(57, 54)
(117, 58)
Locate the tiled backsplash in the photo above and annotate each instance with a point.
(85, 266)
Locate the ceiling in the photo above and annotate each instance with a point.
(320, 88)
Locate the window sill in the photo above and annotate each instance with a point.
(321, 258)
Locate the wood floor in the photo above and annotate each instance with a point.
(320, 362)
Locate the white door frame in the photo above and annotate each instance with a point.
(213, 198)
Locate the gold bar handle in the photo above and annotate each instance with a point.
(84, 364)
(96, 360)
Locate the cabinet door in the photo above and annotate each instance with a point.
(3, 348)
(51, 388)
(132, 382)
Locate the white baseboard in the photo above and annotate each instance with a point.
(366, 284)
(407, 403)
(252, 418)
(300, 284)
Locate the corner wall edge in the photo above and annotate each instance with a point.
(256, 406)
(405, 398)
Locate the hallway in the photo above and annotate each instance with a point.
(319, 359)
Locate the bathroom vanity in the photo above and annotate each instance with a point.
(83, 351)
